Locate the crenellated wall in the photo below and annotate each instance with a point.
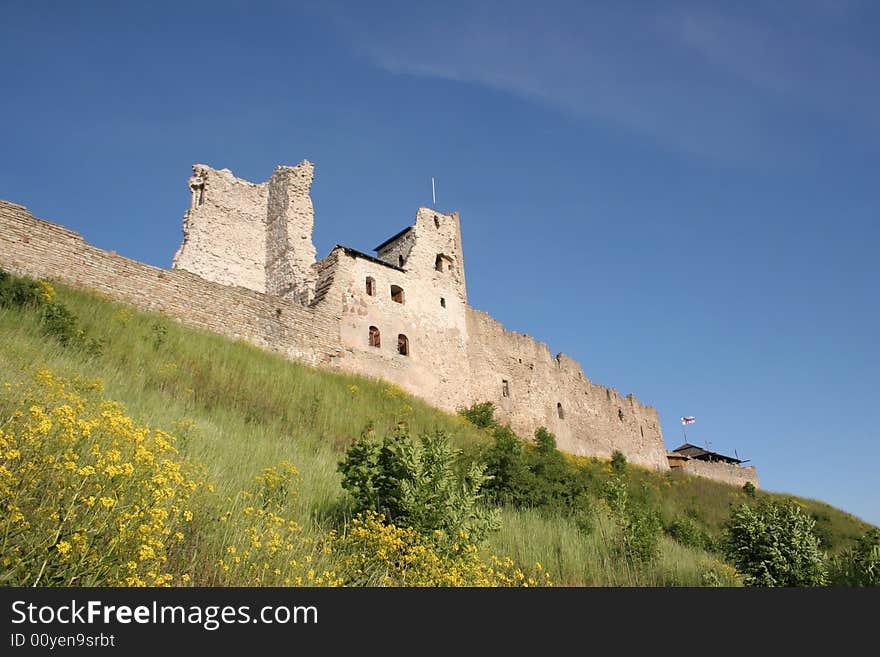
(595, 420)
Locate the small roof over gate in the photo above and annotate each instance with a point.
(702, 454)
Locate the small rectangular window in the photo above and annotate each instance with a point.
(442, 302)
(505, 388)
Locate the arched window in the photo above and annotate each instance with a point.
(371, 286)
(400, 261)
(559, 411)
(397, 294)
(402, 345)
(375, 337)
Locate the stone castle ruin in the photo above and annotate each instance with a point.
(247, 269)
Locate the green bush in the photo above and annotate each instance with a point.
(860, 564)
(481, 415)
(506, 463)
(60, 323)
(687, 532)
(415, 483)
(525, 475)
(750, 490)
(57, 320)
(19, 292)
(773, 544)
(618, 461)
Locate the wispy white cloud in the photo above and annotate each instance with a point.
(703, 80)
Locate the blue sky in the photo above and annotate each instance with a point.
(683, 196)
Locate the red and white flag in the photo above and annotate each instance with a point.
(688, 420)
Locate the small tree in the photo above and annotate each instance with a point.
(773, 544)
(750, 490)
(545, 441)
(618, 461)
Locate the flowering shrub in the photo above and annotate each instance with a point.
(374, 553)
(87, 496)
(264, 546)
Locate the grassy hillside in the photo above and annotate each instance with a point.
(237, 410)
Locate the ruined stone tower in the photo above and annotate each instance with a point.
(257, 236)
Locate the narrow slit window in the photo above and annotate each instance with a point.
(400, 261)
(559, 411)
(620, 414)
(438, 262)
(371, 286)
(436, 221)
(397, 294)
(402, 345)
(375, 337)
(442, 302)
(505, 388)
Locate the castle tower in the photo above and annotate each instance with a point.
(290, 218)
(224, 229)
(257, 236)
(431, 252)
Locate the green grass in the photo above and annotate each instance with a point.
(239, 409)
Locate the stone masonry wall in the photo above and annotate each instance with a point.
(720, 471)
(595, 420)
(224, 230)
(432, 315)
(40, 249)
(290, 253)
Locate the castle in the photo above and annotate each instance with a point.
(247, 269)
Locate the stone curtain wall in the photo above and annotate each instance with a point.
(40, 249)
(720, 471)
(595, 420)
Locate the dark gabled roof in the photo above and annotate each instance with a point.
(394, 237)
(360, 254)
(699, 453)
